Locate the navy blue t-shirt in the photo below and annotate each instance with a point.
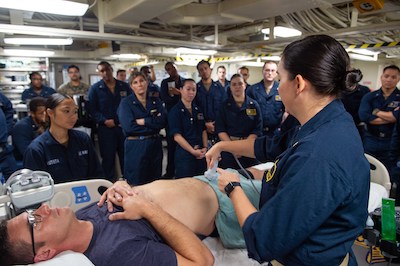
(124, 242)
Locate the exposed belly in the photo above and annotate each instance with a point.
(189, 200)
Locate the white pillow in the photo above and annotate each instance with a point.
(376, 193)
(66, 258)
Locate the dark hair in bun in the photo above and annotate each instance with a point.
(321, 60)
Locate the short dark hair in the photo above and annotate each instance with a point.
(104, 63)
(18, 252)
(36, 102)
(223, 67)
(73, 66)
(55, 99)
(391, 67)
(202, 62)
(34, 73)
(236, 76)
(244, 68)
(120, 70)
(188, 80)
(326, 67)
(144, 68)
(169, 63)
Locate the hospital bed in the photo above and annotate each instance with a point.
(40, 188)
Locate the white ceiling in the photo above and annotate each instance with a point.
(232, 27)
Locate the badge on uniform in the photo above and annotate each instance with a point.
(154, 94)
(251, 111)
(271, 172)
(278, 98)
(122, 93)
(393, 104)
(200, 116)
(154, 112)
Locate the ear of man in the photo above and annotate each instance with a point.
(45, 253)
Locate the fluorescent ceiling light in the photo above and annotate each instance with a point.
(31, 53)
(284, 32)
(253, 64)
(193, 57)
(364, 57)
(184, 50)
(363, 51)
(271, 58)
(126, 56)
(59, 7)
(38, 41)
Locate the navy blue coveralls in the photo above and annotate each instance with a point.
(377, 138)
(76, 161)
(8, 111)
(191, 127)
(313, 203)
(30, 93)
(170, 100)
(238, 123)
(24, 131)
(351, 101)
(271, 105)
(395, 157)
(103, 106)
(143, 148)
(7, 160)
(227, 84)
(210, 102)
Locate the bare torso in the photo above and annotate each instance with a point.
(189, 200)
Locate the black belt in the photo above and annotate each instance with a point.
(379, 134)
(143, 137)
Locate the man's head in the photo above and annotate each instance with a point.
(146, 71)
(36, 80)
(390, 77)
(48, 228)
(73, 73)
(204, 69)
(105, 71)
(244, 72)
(121, 74)
(270, 71)
(221, 73)
(171, 69)
(37, 110)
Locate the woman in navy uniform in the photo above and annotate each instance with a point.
(37, 88)
(65, 153)
(239, 118)
(313, 202)
(187, 127)
(142, 117)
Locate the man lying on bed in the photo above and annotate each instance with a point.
(157, 239)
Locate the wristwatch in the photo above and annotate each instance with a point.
(230, 187)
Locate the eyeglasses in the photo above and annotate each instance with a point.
(34, 221)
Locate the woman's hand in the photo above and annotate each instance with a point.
(213, 155)
(225, 177)
(199, 153)
(111, 196)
